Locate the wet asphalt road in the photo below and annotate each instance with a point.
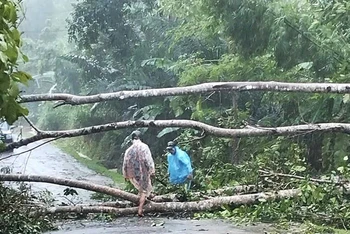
(159, 225)
(49, 160)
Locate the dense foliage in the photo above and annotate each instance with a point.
(10, 55)
(125, 45)
(14, 213)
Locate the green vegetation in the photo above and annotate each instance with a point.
(129, 45)
(10, 55)
(14, 211)
(14, 208)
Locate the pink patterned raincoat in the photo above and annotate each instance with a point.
(138, 166)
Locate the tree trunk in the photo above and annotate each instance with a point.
(72, 183)
(222, 191)
(249, 131)
(201, 88)
(314, 142)
(117, 192)
(206, 205)
(235, 140)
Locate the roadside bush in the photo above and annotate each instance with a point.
(14, 213)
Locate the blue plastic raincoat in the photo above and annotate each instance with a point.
(179, 166)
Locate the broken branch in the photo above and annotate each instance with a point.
(320, 181)
(32, 125)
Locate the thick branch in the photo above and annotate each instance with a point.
(209, 193)
(115, 204)
(71, 183)
(201, 88)
(87, 209)
(208, 129)
(214, 203)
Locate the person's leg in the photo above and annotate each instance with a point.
(141, 203)
(149, 194)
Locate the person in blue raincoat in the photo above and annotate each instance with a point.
(179, 165)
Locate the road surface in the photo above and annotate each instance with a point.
(148, 225)
(49, 160)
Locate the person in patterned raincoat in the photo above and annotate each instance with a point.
(138, 167)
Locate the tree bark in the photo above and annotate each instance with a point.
(314, 143)
(250, 131)
(116, 192)
(206, 205)
(201, 88)
(226, 190)
(72, 183)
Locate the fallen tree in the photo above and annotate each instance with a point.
(251, 131)
(123, 208)
(209, 193)
(112, 191)
(71, 183)
(200, 88)
(205, 205)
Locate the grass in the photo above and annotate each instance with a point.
(67, 146)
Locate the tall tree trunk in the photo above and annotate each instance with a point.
(235, 140)
(314, 143)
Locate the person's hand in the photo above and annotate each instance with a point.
(190, 176)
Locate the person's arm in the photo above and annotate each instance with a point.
(168, 159)
(125, 163)
(149, 160)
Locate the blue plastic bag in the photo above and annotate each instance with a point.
(179, 166)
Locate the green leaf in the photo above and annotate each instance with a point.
(14, 90)
(299, 168)
(166, 131)
(341, 169)
(5, 82)
(22, 77)
(3, 44)
(16, 36)
(306, 65)
(346, 98)
(25, 58)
